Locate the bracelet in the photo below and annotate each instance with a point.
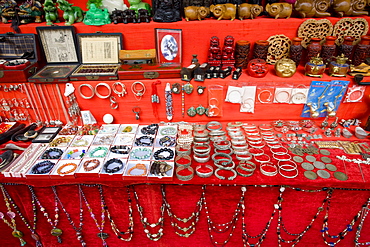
(118, 165)
(222, 177)
(214, 126)
(275, 156)
(186, 177)
(293, 166)
(286, 176)
(123, 91)
(235, 124)
(42, 167)
(266, 127)
(204, 174)
(138, 166)
(217, 133)
(268, 100)
(262, 160)
(231, 152)
(267, 133)
(238, 138)
(225, 167)
(52, 153)
(201, 139)
(141, 153)
(238, 168)
(218, 138)
(273, 150)
(146, 141)
(255, 142)
(60, 172)
(247, 166)
(226, 158)
(164, 154)
(241, 152)
(185, 157)
(244, 157)
(80, 143)
(84, 96)
(138, 92)
(159, 168)
(167, 141)
(267, 173)
(240, 147)
(103, 139)
(258, 146)
(60, 140)
(222, 145)
(120, 149)
(256, 151)
(92, 153)
(233, 133)
(232, 128)
(183, 151)
(87, 163)
(282, 100)
(254, 138)
(150, 129)
(201, 133)
(105, 85)
(168, 131)
(201, 154)
(202, 148)
(201, 159)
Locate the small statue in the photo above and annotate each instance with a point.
(257, 68)
(225, 11)
(143, 16)
(214, 53)
(8, 10)
(285, 67)
(138, 4)
(71, 13)
(228, 51)
(117, 16)
(246, 11)
(350, 7)
(312, 8)
(279, 10)
(339, 67)
(30, 11)
(167, 11)
(129, 16)
(51, 12)
(96, 17)
(196, 13)
(315, 67)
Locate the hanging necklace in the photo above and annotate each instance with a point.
(55, 231)
(102, 235)
(146, 224)
(364, 212)
(77, 229)
(335, 239)
(130, 229)
(281, 226)
(59, 120)
(175, 220)
(8, 199)
(50, 103)
(222, 228)
(16, 233)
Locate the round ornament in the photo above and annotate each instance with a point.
(108, 118)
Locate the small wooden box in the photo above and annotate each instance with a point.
(149, 71)
(137, 56)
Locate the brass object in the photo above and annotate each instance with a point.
(315, 67)
(339, 67)
(285, 67)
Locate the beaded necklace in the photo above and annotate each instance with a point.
(364, 212)
(77, 229)
(7, 199)
(130, 229)
(54, 231)
(192, 219)
(146, 224)
(102, 235)
(222, 228)
(281, 226)
(335, 239)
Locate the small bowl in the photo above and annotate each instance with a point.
(360, 133)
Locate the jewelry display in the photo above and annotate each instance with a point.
(145, 141)
(62, 167)
(75, 154)
(138, 166)
(98, 152)
(90, 165)
(120, 149)
(167, 141)
(159, 168)
(43, 167)
(113, 165)
(140, 153)
(169, 102)
(52, 153)
(89, 87)
(103, 139)
(188, 169)
(164, 154)
(138, 89)
(60, 141)
(123, 90)
(150, 129)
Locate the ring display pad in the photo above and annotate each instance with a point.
(59, 46)
(19, 55)
(99, 56)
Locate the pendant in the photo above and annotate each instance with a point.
(191, 112)
(176, 88)
(200, 90)
(102, 235)
(200, 110)
(188, 88)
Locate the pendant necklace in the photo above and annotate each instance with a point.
(222, 228)
(8, 200)
(364, 212)
(45, 101)
(79, 228)
(175, 220)
(59, 120)
(39, 103)
(130, 230)
(169, 102)
(54, 231)
(146, 224)
(281, 227)
(102, 235)
(50, 103)
(33, 106)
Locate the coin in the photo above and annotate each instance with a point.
(310, 175)
(340, 176)
(324, 152)
(310, 158)
(319, 165)
(326, 159)
(331, 167)
(307, 166)
(323, 174)
(298, 159)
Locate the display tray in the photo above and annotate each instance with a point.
(149, 71)
(53, 73)
(19, 55)
(90, 72)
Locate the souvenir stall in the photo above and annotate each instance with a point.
(171, 123)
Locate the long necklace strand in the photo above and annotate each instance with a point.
(102, 235)
(364, 212)
(212, 227)
(146, 224)
(130, 230)
(56, 232)
(79, 228)
(281, 226)
(192, 219)
(34, 235)
(335, 239)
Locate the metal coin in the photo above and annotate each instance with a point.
(323, 174)
(310, 158)
(331, 167)
(324, 152)
(319, 165)
(340, 176)
(307, 166)
(310, 175)
(298, 159)
(326, 159)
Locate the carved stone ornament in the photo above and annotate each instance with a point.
(350, 27)
(278, 49)
(312, 28)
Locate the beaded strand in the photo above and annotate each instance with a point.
(364, 212)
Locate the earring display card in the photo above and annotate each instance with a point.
(248, 99)
(215, 100)
(282, 94)
(234, 94)
(299, 96)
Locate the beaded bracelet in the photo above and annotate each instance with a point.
(80, 143)
(204, 174)
(168, 131)
(145, 153)
(222, 177)
(52, 153)
(159, 168)
(46, 166)
(167, 141)
(118, 167)
(87, 166)
(164, 154)
(144, 141)
(75, 154)
(60, 140)
(92, 153)
(138, 166)
(120, 149)
(60, 172)
(186, 177)
(150, 129)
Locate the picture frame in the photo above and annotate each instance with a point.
(168, 45)
(43, 138)
(50, 130)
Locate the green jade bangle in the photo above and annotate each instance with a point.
(102, 150)
(168, 131)
(141, 153)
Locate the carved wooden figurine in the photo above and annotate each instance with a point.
(246, 11)
(350, 7)
(196, 13)
(279, 10)
(224, 11)
(312, 8)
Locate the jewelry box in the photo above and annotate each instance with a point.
(59, 46)
(65, 169)
(40, 169)
(165, 174)
(136, 170)
(89, 167)
(149, 71)
(113, 168)
(47, 134)
(99, 56)
(19, 57)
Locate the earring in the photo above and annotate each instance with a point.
(200, 110)
(191, 112)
